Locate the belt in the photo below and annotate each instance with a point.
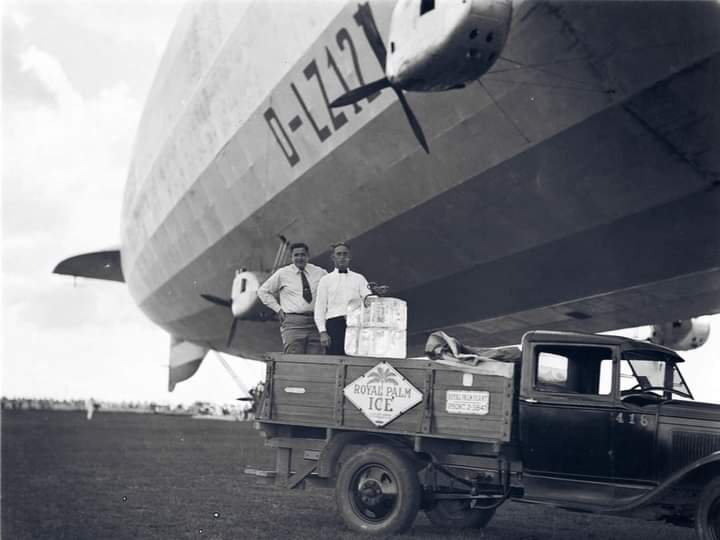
(306, 314)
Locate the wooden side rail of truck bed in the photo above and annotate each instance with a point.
(471, 403)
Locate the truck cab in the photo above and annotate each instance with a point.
(604, 421)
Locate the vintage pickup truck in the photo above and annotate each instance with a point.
(589, 423)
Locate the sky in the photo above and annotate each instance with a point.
(75, 76)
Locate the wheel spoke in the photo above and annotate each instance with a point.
(388, 486)
(375, 473)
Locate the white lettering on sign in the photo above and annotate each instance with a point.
(382, 394)
(467, 402)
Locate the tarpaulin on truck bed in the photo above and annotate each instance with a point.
(440, 346)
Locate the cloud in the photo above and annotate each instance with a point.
(68, 158)
(121, 361)
(74, 77)
(51, 74)
(63, 176)
(19, 18)
(18, 85)
(130, 23)
(64, 303)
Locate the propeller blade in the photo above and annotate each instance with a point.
(364, 18)
(231, 335)
(360, 92)
(414, 124)
(217, 300)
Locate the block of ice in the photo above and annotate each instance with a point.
(377, 327)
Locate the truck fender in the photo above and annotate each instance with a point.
(674, 479)
(327, 464)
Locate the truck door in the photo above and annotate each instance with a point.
(567, 412)
(647, 379)
(643, 377)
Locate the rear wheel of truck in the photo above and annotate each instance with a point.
(707, 520)
(378, 491)
(457, 514)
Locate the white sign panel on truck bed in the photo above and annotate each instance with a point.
(382, 394)
(467, 402)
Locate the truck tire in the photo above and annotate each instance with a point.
(707, 520)
(450, 514)
(378, 491)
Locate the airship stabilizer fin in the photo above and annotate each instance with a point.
(97, 265)
(185, 359)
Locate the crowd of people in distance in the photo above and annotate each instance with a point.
(240, 410)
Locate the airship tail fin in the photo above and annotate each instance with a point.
(185, 359)
(97, 265)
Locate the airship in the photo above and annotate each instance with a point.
(502, 166)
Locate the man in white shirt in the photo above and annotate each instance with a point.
(290, 292)
(334, 292)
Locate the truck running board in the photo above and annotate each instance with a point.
(251, 471)
(291, 481)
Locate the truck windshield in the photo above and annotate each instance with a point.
(651, 372)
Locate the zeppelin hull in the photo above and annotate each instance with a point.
(552, 196)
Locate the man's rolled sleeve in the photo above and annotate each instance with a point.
(363, 286)
(321, 304)
(267, 292)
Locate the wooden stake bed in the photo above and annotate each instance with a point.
(471, 403)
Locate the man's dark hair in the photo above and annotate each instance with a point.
(299, 245)
(338, 244)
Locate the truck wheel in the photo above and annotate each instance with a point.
(378, 491)
(707, 520)
(450, 514)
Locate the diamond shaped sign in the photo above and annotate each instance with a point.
(382, 394)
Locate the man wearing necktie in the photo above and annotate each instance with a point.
(290, 292)
(334, 292)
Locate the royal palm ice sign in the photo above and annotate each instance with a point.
(382, 394)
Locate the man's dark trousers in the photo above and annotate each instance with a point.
(336, 329)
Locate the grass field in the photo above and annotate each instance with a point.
(144, 477)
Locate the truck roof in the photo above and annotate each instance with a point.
(597, 339)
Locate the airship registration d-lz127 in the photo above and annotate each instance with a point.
(503, 166)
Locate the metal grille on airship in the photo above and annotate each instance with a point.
(377, 327)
